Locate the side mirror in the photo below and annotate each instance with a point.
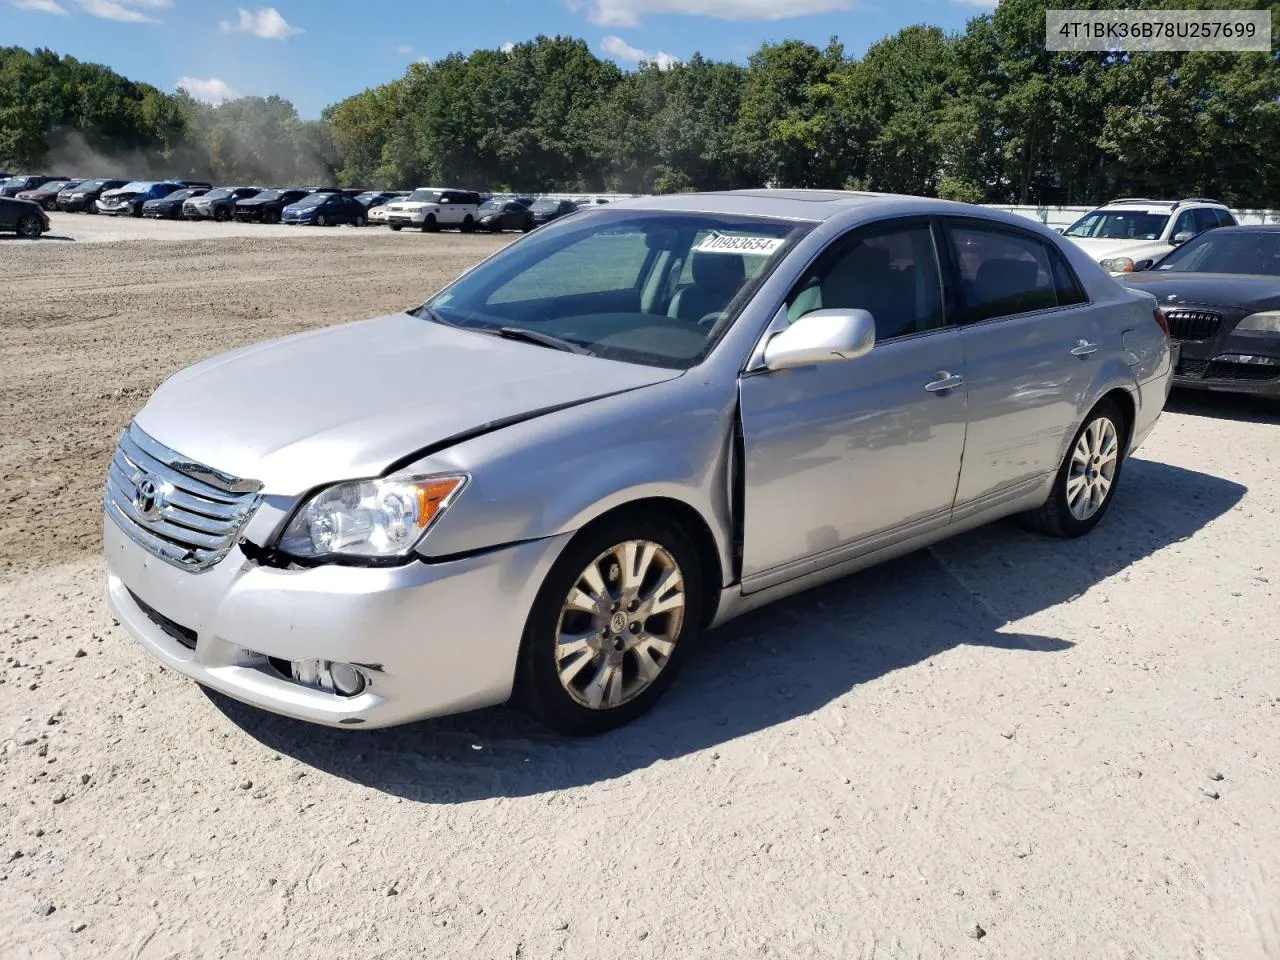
(1058, 229)
(1143, 265)
(1180, 238)
(823, 336)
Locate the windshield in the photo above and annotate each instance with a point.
(182, 194)
(545, 205)
(491, 206)
(425, 196)
(313, 200)
(1249, 252)
(137, 186)
(267, 195)
(1119, 225)
(638, 286)
(220, 194)
(93, 184)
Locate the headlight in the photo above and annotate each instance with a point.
(373, 519)
(1265, 322)
(1117, 265)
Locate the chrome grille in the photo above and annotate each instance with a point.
(1193, 324)
(185, 513)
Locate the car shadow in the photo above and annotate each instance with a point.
(14, 238)
(784, 661)
(1241, 407)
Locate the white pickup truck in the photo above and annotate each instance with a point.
(430, 208)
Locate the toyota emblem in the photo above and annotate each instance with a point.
(147, 499)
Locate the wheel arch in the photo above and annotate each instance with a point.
(690, 522)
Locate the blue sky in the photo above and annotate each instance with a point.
(315, 52)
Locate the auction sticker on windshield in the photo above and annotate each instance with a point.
(726, 243)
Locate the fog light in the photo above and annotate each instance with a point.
(341, 678)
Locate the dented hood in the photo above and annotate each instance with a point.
(348, 401)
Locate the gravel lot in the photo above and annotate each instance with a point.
(1005, 746)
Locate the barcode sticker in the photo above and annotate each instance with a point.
(726, 243)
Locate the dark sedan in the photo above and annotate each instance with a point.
(16, 185)
(267, 206)
(1221, 294)
(547, 209)
(84, 196)
(498, 215)
(47, 194)
(326, 210)
(25, 218)
(170, 207)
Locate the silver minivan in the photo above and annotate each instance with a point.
(625, 428)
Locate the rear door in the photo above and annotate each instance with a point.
(1032, 346)
(844, 457)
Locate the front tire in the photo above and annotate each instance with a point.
(468, 225)
(30, 227)
(612, 623)
(430, 225)
(221, 214)
(360, 221)
(321, 221)
(396, 227)
(1085, 484)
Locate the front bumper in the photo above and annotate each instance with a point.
(1234, 362)
(430, 638)
(75, 206)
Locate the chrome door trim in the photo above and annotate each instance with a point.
(814, 563)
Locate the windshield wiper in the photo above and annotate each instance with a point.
(541, 339)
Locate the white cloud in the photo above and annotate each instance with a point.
(212, 91)
(40, 6)
(124, 11)
(425, 61)
(619, 49)
(627, 13)
(265, 23)
(508, 47)
(404, 49)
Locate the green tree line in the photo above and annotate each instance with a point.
(985, 115)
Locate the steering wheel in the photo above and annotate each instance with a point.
(710, 320)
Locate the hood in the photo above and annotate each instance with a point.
(119, 194)
(1247, 292)
(255, 202)
(1106, 249)
(347, 401)
(408, 205)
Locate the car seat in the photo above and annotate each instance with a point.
(717, 277)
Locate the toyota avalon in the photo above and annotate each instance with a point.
(625, 428)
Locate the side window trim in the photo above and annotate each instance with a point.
(868, 230)
(953, 269)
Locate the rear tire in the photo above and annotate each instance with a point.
(620, 653)
(1085, 483)
(30, 227)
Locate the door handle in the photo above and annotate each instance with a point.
(943, 381)
(1083, 348)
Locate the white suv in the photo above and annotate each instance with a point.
(1124, 233)
(430, 208)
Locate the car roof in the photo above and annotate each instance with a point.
(813, 206)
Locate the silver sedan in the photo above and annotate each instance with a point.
(622, 430)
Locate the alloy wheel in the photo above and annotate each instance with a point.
(1093, 468)
(619, 625)
(30, 227)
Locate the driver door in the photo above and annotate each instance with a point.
(844, 457)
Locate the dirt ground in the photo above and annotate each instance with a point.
(1005, 746)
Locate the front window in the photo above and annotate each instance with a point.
(425, 196)
(1119, 225)
(616, 285)
(1255, 253)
